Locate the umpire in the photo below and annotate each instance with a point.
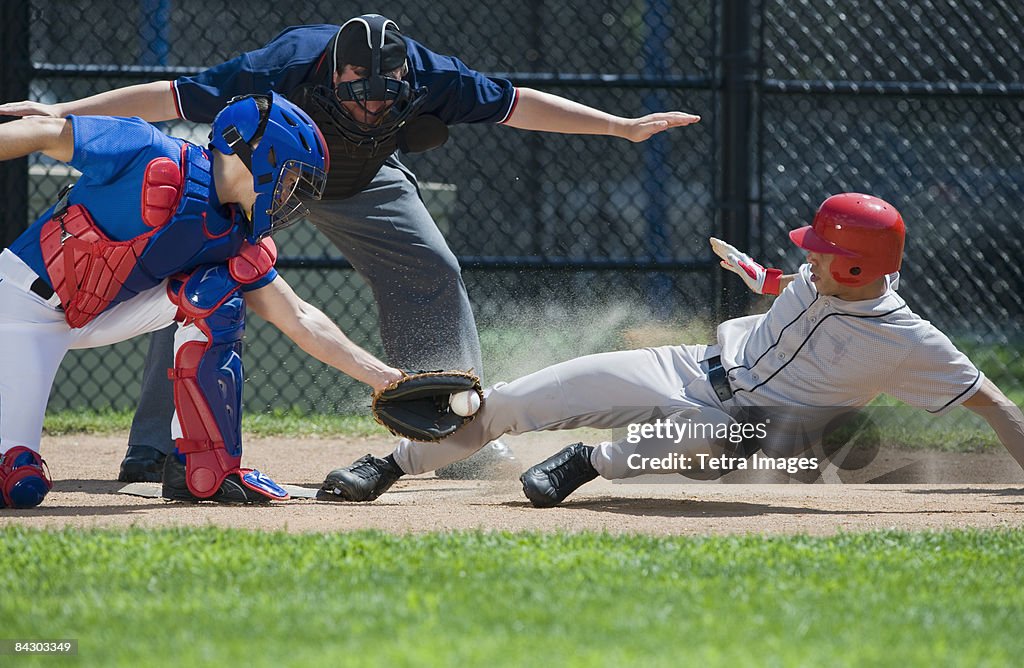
(373, 92)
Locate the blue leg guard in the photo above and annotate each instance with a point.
(208, 379)
(24, 478)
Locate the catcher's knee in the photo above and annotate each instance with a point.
(24, 478)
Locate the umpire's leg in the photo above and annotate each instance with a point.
(388, 236)
(426, 320)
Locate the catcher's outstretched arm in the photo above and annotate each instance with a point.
(315, 333)
(51, 136)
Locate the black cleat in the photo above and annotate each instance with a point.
(175, 487)
(142, 463)
(549, 483)
(494, 461)
(363, 480)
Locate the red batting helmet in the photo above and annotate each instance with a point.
(864, 233)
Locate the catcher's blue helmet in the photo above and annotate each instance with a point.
(285, 152)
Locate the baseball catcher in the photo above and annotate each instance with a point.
(158, 231)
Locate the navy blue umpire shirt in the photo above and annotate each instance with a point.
(301, 55)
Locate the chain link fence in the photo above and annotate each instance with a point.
(572, 244)
(919, 103)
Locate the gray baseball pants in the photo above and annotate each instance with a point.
(606, 391)
(389, 237)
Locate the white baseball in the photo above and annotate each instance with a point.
(465, 403)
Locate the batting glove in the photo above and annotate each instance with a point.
(759, 279)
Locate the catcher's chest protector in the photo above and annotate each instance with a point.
(90, 271)
(86, 267)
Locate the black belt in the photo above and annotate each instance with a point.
(41, 288)
(719, 378)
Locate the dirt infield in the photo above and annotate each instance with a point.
(917, 491)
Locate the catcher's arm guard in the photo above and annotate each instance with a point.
(416, 406)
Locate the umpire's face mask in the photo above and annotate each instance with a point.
(354, 91)
(370, 56)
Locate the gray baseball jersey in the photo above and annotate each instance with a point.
(813, 350)
(809, 350)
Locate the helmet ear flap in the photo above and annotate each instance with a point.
(240, 125)
(846, 274)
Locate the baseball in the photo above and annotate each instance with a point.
(465, 403)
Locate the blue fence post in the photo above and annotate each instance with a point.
(738, 88)
(154, 45)
(657, 169)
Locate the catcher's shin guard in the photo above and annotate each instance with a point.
(24, 478)
(207, 377)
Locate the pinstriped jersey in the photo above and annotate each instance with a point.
(817, 350)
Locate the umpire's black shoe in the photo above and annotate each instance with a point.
(363, 480)
(494, 461)
(175, 487)
(548, 484)
(142, 464)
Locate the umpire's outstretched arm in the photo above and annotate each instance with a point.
(545, 112)
(53, 137)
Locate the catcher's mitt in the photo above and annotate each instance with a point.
(416, 406)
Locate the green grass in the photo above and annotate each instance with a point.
(277, 423)
(296, 423)
(1002, 363)
(211, 597)
(960, 430)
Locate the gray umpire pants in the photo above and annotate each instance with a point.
(388, 236)
(606, 391)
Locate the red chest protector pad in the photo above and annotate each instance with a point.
(86, 267)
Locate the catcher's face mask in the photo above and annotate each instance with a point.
(364, 103)
(297, 183)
